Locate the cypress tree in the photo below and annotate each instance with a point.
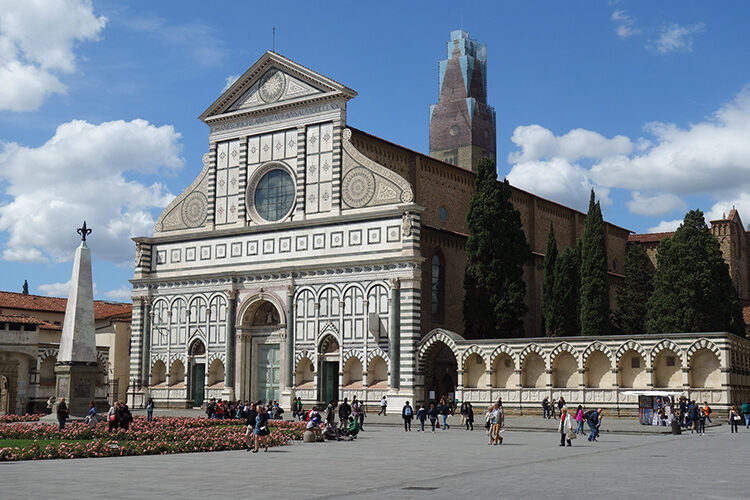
(693, 291)
(496, 251)
(548, 283)
(25, 289)
(566, 311)
(633, 294)
(594, 282)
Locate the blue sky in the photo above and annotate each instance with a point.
(645, 101)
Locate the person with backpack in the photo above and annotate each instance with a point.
(593, 418)
(469, 417)
(545, 408)
(407, 414)
(421, 416)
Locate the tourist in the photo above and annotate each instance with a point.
(552, 408)
(498, 419)
(353, 429)
(701, 422)
(469, 416)
(62, 414)
(445, 411)
(297, 412)
(112, 417)
(683, 412)
(432, 414)
(125, 416)
(261, 431)
(250, 414)
(331, 412)
(50, 404)
(746, 413)
(594, 421)
(579, 420)
(707, 411)
(545, 408)
(421, 416)
(277, 411)
(407, 414)
(344, 411)
(150, 410)
(90, 419)
(383, 406)
(355, 408)
(565, 428)
(361, 420)
(734, 419)
(560, 403)
(462, 412)
(488, 419)
(695, 415)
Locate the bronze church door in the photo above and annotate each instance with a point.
(199, 382)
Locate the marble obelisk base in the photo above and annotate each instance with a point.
(76, 382)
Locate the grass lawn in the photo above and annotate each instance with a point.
(23, 443)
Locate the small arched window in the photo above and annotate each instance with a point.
(437, 288)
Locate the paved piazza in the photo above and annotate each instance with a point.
(385, 462)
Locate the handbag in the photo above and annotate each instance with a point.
(571, 434)
(112, 418)
(736, 417)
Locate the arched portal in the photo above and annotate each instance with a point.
(440, 373)
(261, 326)
(328, 358)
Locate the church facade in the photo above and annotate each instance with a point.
(311, 259)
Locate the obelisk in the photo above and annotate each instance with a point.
(76, 369)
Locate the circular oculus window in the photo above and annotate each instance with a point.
(273, 194)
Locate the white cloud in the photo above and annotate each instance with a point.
(82, 173)
(58, 289)
(230, 80)
(122, 293)
(625, 24)
(36, 45)
(676, 38)
(537, 142)
(658, 204)
(709, 156)
(557, 180)
(721, 208)
(666, 226)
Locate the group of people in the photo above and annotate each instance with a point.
(325, 428)
(565, 427)
(222, 409)
(118, 416)
(548, 407)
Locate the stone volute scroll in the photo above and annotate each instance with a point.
(365, 183)
(190, 209)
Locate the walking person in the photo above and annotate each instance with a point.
(745, 408)
(112, 417)
(552, 405)
(545, 407)
(421, 416)
(707, 411)
(734, 419)
(362, 413)
(469, 416)
(90, 419)
(565, 427)
(150, 410)
(331, 413)
(594, 421)
(498, 419)
(50, 404)
(62, 414)
(432, 414)
(701, 422)
(488, 420)
(261, 431)
(250, 414)
(579, 420)
(445, 411)
(383, 406)
(407, 414)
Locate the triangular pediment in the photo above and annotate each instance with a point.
(271, 82)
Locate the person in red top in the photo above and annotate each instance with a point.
(565, 427)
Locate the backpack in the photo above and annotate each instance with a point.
(588, 414)
(407, 411)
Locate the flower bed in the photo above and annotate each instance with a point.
(7, 419)
(165, 435)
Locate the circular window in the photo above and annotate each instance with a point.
(274, 195)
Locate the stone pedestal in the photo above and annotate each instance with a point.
(76, 382)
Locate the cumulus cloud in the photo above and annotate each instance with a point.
(37, 39)
(230, 80)
(85, 172)
(676, 38)
(625, 24)
(537, 142)
(658, 204)
(58, 289)
(665, 226)
(123, 293)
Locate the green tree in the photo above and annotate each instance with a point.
(633, 294)
(496, 251)
(594, 282)
(548, 283)
(566, 311)
(693, 291)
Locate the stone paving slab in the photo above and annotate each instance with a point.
(386, 462)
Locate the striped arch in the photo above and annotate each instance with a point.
(216, 355)
(304, 354)
(378, 352)
(377, 283)
(175, 357)
(667, 344)
(102, 357)
(47, 353)
(353, 353)
(255, 301)
(502, 348)
(473, 349)
(560, 348)
(528, 350)
(428, 343)
(595, 346)
(702, 343)
(630, 345)
(159, 356)
(322, 289)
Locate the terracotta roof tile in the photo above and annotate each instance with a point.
(29, 320)
(102, 309)
(648, 237)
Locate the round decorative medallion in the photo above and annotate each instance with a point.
(194, 209)
(272, 85)
(358, 187)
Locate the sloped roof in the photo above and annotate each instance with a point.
(649, 237)
(102, 309)
(29, 320)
